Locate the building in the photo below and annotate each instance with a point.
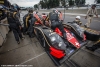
(92, 2)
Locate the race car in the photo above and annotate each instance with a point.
(56, 47)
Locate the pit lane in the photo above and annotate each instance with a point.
(29, 52)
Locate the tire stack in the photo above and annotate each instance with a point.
(91, 35)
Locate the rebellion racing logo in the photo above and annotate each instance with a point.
(72, 40)
(69, 36)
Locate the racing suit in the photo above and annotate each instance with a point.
(29, 21)
(14, 23)
(35, 20)
(26, 19)
(56, 21)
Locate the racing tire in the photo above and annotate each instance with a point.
(92, 35)
(43, 43)
(40, 38)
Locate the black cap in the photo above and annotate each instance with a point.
(94, 5)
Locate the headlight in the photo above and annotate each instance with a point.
(60, 44)
(53, 39)
(57, 42)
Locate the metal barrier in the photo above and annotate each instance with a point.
(3, 31)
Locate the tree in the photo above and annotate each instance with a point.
(71, 2)
(42, 4)
(98, 1)
(80, 2)
(63, 2)
(49, 3)
(35, 6)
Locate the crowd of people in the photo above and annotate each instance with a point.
(53, 19)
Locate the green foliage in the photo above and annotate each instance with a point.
(98, 1)
(49, 3)
(35, 6)
(63, 2)
(55, 3)
(71, 2)
(80, 2)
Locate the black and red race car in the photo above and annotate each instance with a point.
(58, 48)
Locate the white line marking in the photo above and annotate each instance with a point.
(71, 14)
(71, 17)
(32, 58)
(96, 20)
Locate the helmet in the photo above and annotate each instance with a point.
(15, 6)
(34, 12)
(12, 8)
(55, 10)
(1, 7)
(78, 17)
(30, 10)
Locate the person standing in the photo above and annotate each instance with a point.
(14, 23)
(90, 14)
(27, 24)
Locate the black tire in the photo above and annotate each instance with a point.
(40, 37)
(92, 35)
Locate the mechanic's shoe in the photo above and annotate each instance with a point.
(24, 34)
(18, 42)
(23, 38)
(90, 48)
(0, 46)
(31, 36)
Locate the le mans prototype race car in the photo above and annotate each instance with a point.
(58, 48)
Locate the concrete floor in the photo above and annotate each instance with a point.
(28, 52)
